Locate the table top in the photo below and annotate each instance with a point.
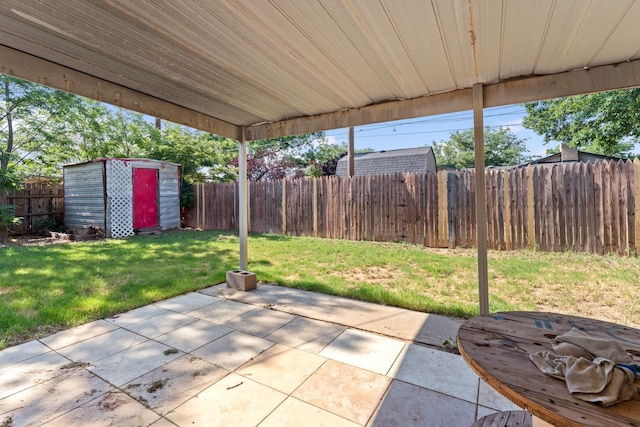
(497, 347)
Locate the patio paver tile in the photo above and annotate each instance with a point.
(77, 334)
(112, 409)
(490, 398)
(233, 350)
(22, 352)
(483, 411)
(160, 324)
(233, 401)
(437, 370)
(416, 326)
(27, 373)
(193, 335)
(101, 346)
(163, 422)
(400, 407)
(282, 368)
(136, 315)
(344, 390)
(48, 400)
(188, 302)
(170, 385)
(259, 322)
(295, 413)
(307, 334)
(221, 311)
(122, 367)
(364, 350)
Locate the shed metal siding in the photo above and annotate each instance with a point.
(169, 189)
(84, 203)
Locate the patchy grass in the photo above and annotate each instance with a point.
(47, 288)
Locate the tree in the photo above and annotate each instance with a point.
(202, 156)
(322, 159)
(32, 118)
(603, 123)
(284, 157)
(501, 148)
(36, 126)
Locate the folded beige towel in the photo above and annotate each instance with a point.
(588, 366)
(583, 345)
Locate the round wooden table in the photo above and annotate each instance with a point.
(497, 347)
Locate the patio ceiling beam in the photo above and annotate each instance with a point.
(526, 89)
(38, 70)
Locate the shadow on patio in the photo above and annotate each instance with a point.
(271, 357)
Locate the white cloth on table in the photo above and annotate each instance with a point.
(588, 366)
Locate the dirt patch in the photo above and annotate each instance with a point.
(32, 240)
(157, 385)
(75, 365)
(7, 421)
(381, 276)
(110, 402)
(170, 351)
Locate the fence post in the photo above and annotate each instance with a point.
(284, 206)
(531, 224)
(451, 209)
(443, 215)
(507, 209)
(314, 204)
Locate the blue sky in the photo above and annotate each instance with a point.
(423, 131)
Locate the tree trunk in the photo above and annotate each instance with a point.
(4, 160)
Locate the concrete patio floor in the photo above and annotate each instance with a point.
(270, 357)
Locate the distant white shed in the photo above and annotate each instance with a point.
(122, 196)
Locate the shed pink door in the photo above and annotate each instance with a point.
(145, 198)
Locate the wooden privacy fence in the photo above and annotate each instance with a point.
(554, 207)
(35, 203)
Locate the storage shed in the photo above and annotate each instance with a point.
(122, 196)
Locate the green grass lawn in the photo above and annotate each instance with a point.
(47, 288)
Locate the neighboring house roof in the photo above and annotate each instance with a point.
(407, 160)
(572, 154)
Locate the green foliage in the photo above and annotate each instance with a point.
(202, 156)
(52, 223)
(186, 195)
(603, 123)
(45, 129)
(7, 216)
(501, 148)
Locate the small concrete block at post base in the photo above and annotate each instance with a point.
(242, 280)
(505, 419)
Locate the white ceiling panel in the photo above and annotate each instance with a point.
(256, 62)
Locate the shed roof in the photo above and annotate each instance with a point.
(406, 160)
(102, 159)
(281, 67)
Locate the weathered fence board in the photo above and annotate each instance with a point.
(574, 206)
(35, 203)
